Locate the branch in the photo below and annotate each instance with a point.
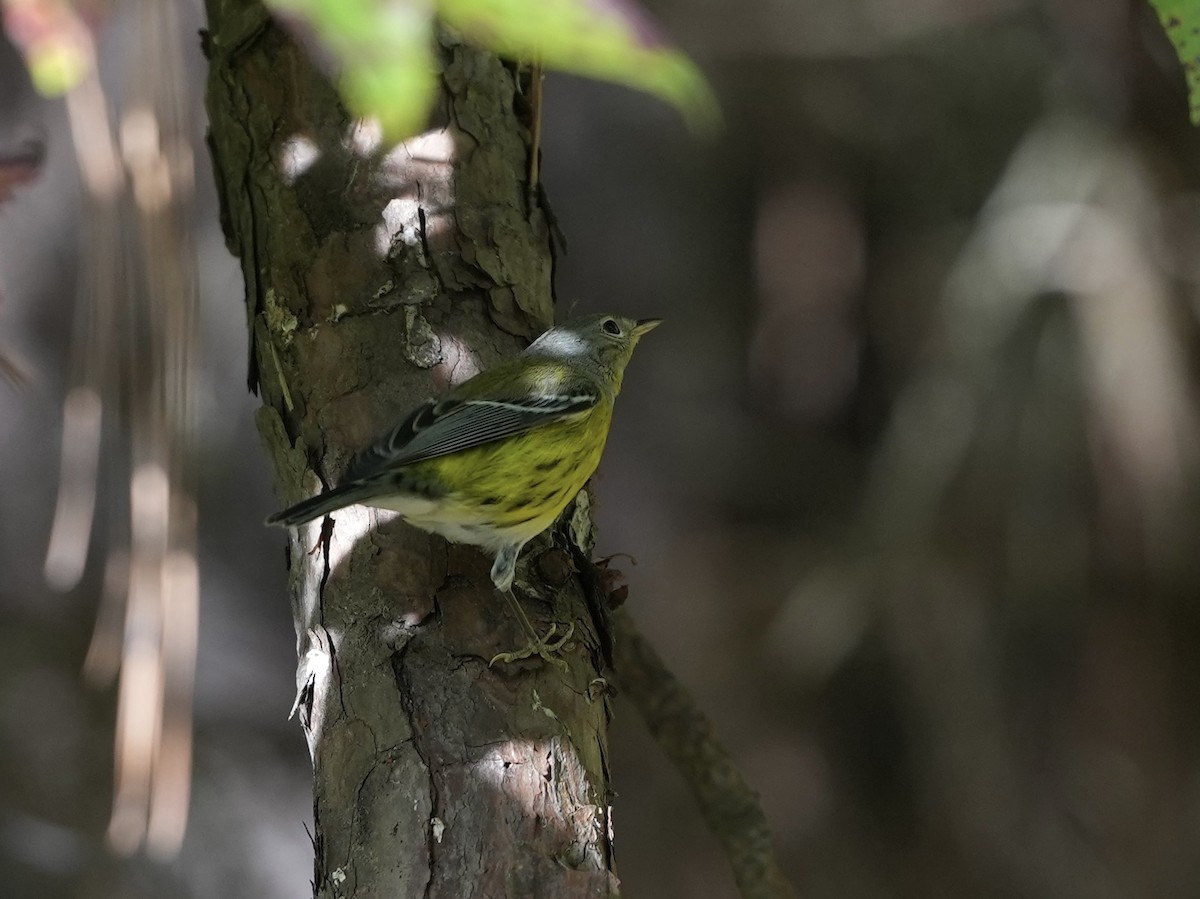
(729, 806)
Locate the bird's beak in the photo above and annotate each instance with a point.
(645, 325)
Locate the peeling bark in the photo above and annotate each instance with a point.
(375, 277)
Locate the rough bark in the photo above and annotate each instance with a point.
(374, 278)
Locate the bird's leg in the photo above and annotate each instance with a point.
(538, 646)
(504, 568)
(503, 571)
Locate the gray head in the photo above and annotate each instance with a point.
(600, 344)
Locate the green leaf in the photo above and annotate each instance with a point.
(55, 41)
(381, 51)
(1181, 19)
(608, 39)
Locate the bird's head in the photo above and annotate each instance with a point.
(600, 344)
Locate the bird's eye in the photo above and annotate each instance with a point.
(611, 327)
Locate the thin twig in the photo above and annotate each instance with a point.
(536, 74)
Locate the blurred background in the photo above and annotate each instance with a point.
(910, 473)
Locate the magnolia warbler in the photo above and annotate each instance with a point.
(494, 461)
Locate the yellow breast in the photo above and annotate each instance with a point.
(515, 488)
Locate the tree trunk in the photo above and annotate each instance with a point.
(376, 277)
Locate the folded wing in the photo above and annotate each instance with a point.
(440, 427)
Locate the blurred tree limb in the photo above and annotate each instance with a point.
(729, 806)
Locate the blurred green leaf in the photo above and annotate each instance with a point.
(608, 39)
(381, 49)
(1181, 19)
(54, 39)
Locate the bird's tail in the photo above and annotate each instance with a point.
(316, 506)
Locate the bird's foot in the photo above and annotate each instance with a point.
(542, 647)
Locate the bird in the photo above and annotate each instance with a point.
(494, 461)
